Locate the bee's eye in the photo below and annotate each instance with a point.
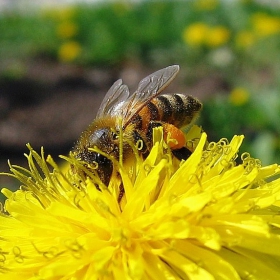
(114, 136)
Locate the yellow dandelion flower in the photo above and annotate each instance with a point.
(69, 51)
(265, 25)
(245, 39)
(67, 29)
(239, 96)
(217, 36)
(194, 34)
(204, 218)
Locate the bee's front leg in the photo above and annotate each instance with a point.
(182, 153)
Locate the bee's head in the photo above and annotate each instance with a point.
(103, 165)
(106, 140)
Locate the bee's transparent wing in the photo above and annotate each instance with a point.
(114, 100)
(147, 89)
(119, 102)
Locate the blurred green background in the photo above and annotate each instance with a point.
(58, 62)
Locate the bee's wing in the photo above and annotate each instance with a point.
(119, 102)
(114, 100)
(147, 89)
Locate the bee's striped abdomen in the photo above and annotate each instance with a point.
(177, 109)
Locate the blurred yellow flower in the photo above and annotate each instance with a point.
(194, 34)
(204, 218)
(69, 51)
(217, 36)
(265, 25)
(198, 34)
(65, 13)
(60, 14)
(244, 39)
(206, 4)
(239, 96)
(66, 29)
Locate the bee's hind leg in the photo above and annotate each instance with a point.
(121, 193)
(182, 153)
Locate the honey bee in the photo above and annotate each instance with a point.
(140, 112)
